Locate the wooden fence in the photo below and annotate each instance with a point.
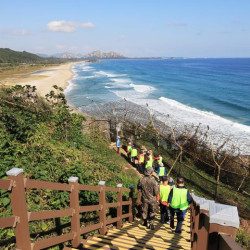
(213, 226)
(17, 185)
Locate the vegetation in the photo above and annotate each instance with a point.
(198, 176)
(10, 57)
(44, 138)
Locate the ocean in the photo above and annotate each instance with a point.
(210, 92)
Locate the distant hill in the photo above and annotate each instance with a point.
(69, 56)
(66, 55)
(11, 56)
(103, 55)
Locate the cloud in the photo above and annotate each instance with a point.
(174, 24)
(20, 32)
(63, 26)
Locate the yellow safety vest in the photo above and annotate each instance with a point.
(179, 199)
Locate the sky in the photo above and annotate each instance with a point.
(135, 28)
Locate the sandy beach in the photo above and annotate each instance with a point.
(45, 79)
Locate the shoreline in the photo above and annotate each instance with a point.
(62, 74)
(44, 79)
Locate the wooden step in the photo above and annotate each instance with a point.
(135, 236)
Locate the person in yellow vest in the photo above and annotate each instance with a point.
(149, 161)
(141, 158)
(150, 156)
(158, 159)
(134, 154)
(179, 199)
(161, 171)
(129, 149)
(162, 198)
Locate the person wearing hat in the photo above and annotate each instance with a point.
(179, 199)
(161, 171)
(171, 182)
(147, 192)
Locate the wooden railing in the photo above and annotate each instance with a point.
(17, 185)
(213, 226)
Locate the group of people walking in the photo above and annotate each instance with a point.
(145, 159)
(172, 199)
(157, 189)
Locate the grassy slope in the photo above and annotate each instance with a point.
(47, 141)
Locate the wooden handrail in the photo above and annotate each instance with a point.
(6, 222)
(49, 214)
(112, 189)
(34, 184)
(17, 185)
(209, 235)
(226, 242)
(125, 203)
(40, 244)
(6, 184)
(84, 230)
(108, 205)
(112, 220)
(126, 190)
(89, 188)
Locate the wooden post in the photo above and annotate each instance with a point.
(201, 223)
(131, 194)
(223, 219)
(74, 204)
(119, 208)
(19, 209)
(195, 228)
(102, 202)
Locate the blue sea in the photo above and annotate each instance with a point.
(214, 92)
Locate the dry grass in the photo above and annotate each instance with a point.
(15, 73)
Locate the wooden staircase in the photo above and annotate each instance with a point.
(135, 236)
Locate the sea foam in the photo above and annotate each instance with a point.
(110, 75)
(142, 88)
(70, 87)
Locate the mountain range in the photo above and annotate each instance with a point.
(98, 54)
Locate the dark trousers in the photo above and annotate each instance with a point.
(141, 168)
(180, 218)
(164, 213)
(133, 159)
